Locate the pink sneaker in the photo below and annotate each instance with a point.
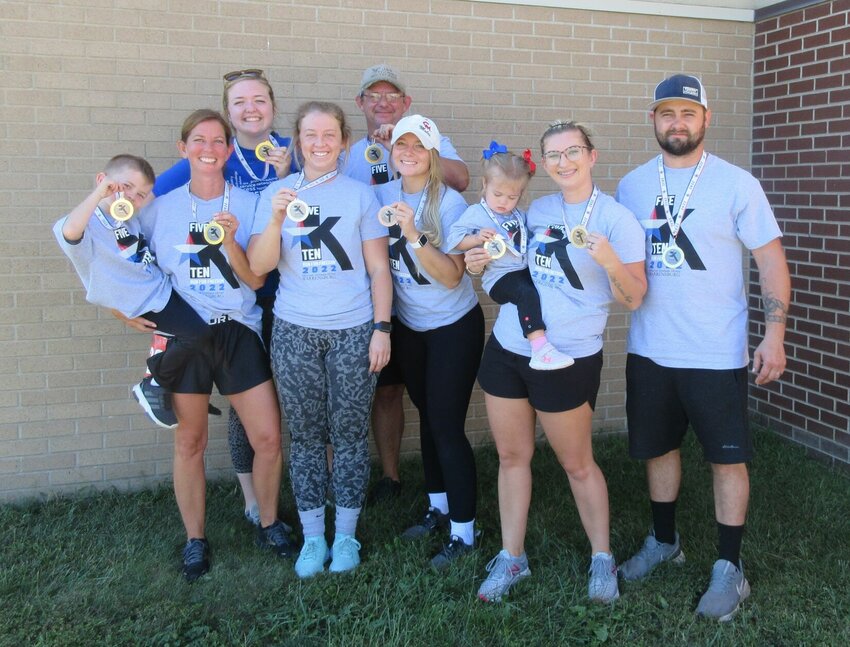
(549, 358)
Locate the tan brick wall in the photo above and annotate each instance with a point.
(86, 79)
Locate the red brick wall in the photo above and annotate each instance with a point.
(801, 154)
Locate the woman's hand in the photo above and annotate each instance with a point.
(600, 250)
(281, 201)
(230, 224)
(137, 323)
(379, 351)
(476, 260)
(281, 159)
(405, 217)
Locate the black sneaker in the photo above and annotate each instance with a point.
(213, 411)
(384, 490)
(431, 524)
(450, 552)
(156, 402)
(276, 538)
(196, 559)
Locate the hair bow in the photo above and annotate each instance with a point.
(495, 147)
(526, 155)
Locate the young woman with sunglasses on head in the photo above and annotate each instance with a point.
(260, 155)
(584, 251)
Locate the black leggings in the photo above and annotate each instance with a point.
(518, 288)
(439, 368)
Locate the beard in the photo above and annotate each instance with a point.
(680, 147)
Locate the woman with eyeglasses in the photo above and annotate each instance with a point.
(440, 332)
(199, 233)
(260, 155)
(331, 329)
(584, 251)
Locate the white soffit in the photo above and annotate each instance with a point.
(739, 10)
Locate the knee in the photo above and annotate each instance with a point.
(266, 442)
(388, 395)
(578, 469)
(514, 457)
(189, 443)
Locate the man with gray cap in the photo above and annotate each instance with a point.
(687, 344)
(383, 99)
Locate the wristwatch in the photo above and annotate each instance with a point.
(383, 326)
(420, 242)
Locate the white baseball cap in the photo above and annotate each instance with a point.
(422, 127)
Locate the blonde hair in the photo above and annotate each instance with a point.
(510, 165)
(432, 224)
(323, 107)
(566, 126)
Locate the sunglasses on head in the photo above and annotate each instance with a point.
(252, 73)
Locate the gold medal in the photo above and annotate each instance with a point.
(214, 233)
(387, 216)
(122, 209)
(297, 210)
(374, 154)
(263, 149)
(578, 236)
(673, 256)
(495, 247)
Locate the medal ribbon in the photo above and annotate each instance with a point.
(325, 178)
(588, 210)
(421, 206)
(523, 234)
(103, 219)
(676, 223)
(225, 202)
(238, 150)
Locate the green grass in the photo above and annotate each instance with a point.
(104, 569)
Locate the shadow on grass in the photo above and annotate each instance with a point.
(104, 570)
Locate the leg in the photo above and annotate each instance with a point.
(569, 434)
(388, 426)
(190, 441)
(258, 408)
(518, 288)
(298, 365)
(664, 476)
(242, 457)
(512, 425)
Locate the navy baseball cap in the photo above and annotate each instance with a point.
(683, 87)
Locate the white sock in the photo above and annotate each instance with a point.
(465, 530)
(346, 520)
(313, 522)
(440, 501)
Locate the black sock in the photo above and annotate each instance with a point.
(730, 542)
(664, 521)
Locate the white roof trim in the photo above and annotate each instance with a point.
(684, 10)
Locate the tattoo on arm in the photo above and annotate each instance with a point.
(775, 311)
(613, 279)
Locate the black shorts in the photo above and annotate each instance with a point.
(234, 360)
(504, 374)
(390, 375)
(661, 402)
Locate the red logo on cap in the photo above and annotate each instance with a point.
(426, 126)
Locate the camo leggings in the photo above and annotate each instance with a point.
(325, 391)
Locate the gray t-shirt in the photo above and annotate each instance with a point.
(421, 302)
(695, 316)
(510, 228)
(323, 279)
(116, 267)
(199, 271)
(381, 172)
(575, 294)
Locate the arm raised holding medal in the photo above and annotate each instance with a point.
(264, 250)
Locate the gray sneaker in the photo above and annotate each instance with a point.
(432, 523)
(505, 571)
(602, 586)
(651, 554)
(728, 588)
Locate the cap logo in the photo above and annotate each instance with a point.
(694, 92)
(426, 126)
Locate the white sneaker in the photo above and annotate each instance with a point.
(549, 358)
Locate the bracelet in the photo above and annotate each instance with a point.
(471, 273)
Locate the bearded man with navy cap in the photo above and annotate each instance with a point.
(688, 345)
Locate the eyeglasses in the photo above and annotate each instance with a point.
(573, 154)
(375, 97)
(252, 73)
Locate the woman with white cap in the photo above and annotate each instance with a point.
(440, 331)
